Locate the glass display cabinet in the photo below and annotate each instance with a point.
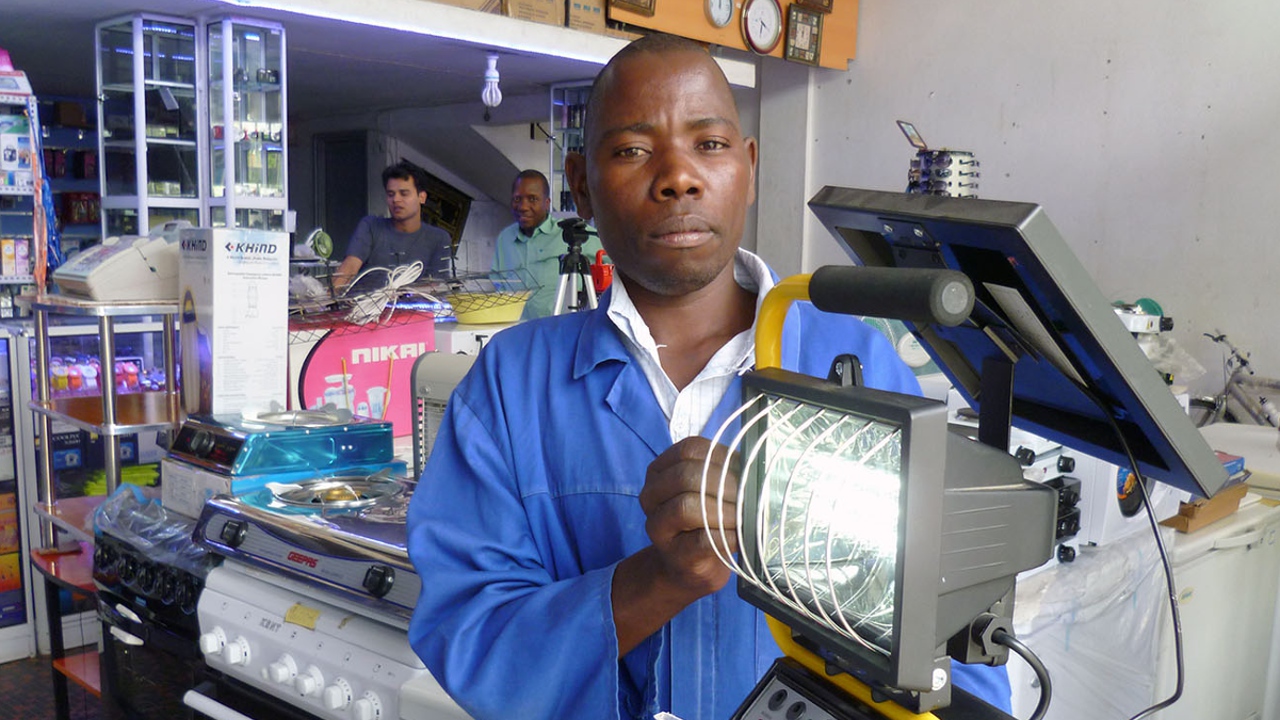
(148, 105)
(247, 128)
(568, 119)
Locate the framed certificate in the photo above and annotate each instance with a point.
(804, 35)
(643, 7)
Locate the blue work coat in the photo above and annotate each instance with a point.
(529, 501)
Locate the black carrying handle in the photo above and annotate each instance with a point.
(920, 295)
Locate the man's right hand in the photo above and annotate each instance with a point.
(674, 507)
(681, 566)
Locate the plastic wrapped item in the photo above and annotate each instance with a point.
(1095, 624)
(141, 521)
(1169, 357)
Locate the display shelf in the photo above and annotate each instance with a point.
(568, 123)
(72, 572)
(82, 669)
(247, 128)
(67, 305)
(150, 135)
(69, 571)
(110, 413)
(135, 412)
(74, 516)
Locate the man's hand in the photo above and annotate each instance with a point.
(673, 503)
(653, 585)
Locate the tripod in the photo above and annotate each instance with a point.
(575, 285)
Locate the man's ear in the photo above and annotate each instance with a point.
(575, 170)
(422, 197)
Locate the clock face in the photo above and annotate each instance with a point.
(762, 25)
(719, 12)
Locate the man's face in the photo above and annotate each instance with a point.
(404, 200)
(668, 175)
(529, 203)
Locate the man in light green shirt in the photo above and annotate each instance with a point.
(535, 242)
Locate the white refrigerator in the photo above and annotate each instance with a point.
(1102, 626)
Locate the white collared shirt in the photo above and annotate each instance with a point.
(688, 410)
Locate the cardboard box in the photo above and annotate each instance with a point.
(67, 451)
(1194, 515)
(548, 12)
(488, 6)
(8, 256)
(234, 319)
(586, 15)
(622, 34)
(70, 113)
(9, 538)
(15, 153)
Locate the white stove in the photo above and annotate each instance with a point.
(331, 659)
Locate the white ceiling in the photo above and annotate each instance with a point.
(334, 67)
(417, 62)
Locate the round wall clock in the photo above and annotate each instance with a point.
(719, 12)
(762, 25)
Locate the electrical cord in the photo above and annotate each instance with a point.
(1170, 587)
(1042, 674)
(368, 307)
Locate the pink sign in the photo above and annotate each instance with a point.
(368, 372)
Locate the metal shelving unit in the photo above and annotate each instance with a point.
(248, 135)
(110, 414)
(568, 121)
(151, 143)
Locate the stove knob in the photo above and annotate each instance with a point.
(147, 578)
(368, 707)
(128, 569)
(281, 671)
(201, 443)
(309, 682)
(233, 532)
(379, 580)
(212, 641)
(338, 695)
(167, 586)
(236, 652)
(187, 594)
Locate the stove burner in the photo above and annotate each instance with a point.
(338, 493)
(315, 418)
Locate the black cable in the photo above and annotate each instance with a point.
(1042, 674)
(1170, 588)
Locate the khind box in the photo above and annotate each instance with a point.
(234, 294)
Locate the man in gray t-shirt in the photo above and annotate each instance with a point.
(399, 239)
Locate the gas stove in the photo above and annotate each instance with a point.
(240, 454)
(145, 563)
(314, 655)
(342, 535)
(313, 600)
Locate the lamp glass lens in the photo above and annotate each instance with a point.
(828, 517)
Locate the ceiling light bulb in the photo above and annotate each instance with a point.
(491, 95)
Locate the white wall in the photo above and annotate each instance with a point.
(1145, 128)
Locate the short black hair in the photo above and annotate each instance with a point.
(533, 175)
(657, 43)
(405, 170)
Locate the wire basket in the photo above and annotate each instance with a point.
(497, 297)
(478, 298)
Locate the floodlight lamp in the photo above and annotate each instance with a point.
(874, 534)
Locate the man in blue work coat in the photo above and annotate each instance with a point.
(558, 527)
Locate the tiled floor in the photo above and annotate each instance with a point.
(26, 693)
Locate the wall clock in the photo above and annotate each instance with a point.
(719, 12)
(762, 25)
